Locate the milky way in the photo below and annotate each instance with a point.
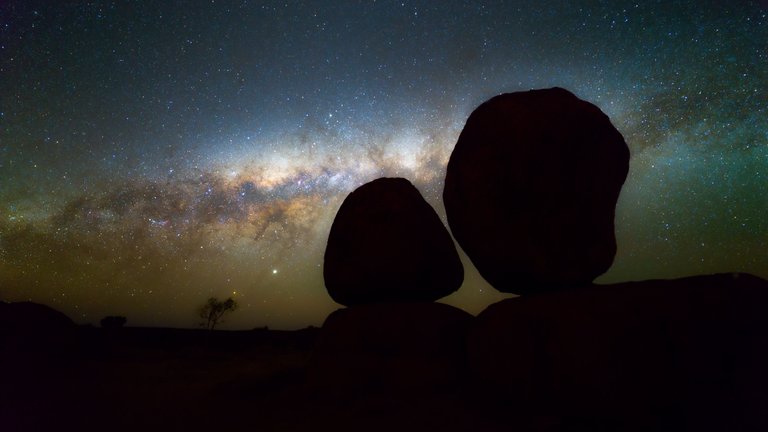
(153, 154)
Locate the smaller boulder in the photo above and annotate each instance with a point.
(387, 244)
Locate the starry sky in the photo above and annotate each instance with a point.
(156, 153)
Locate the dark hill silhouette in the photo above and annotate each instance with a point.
(531, 189)
(29, 316)
(387, 244)
(684, 354)
(32, 331)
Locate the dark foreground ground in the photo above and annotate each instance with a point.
(663, 355)
(146, 379)
(156, 379)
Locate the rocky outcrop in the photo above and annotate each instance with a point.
(29, 317)
(530, 194)
(31, 333)
(387, 244)
(685, 354)
(531, 189)
(390, 348)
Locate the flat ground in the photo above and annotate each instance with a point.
(173, 379)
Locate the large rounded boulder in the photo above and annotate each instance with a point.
(531, 190)
(386, 245)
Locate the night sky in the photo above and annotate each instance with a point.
(156, 153)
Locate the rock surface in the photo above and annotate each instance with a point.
(387, 244)
(531, 189)
(31, 333)
(685, 354)
(386, 348)
(29, 316)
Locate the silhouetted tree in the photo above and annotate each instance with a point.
(112, 322)
(213, 310)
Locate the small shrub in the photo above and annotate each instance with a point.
(213, 311)
(112, 322)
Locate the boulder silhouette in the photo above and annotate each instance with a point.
(38, 346)
(685, 354)
(387, 244)
(531, 189)
(395, 348)
(32, 331)
(32, 317)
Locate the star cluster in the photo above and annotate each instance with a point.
(153, 154)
